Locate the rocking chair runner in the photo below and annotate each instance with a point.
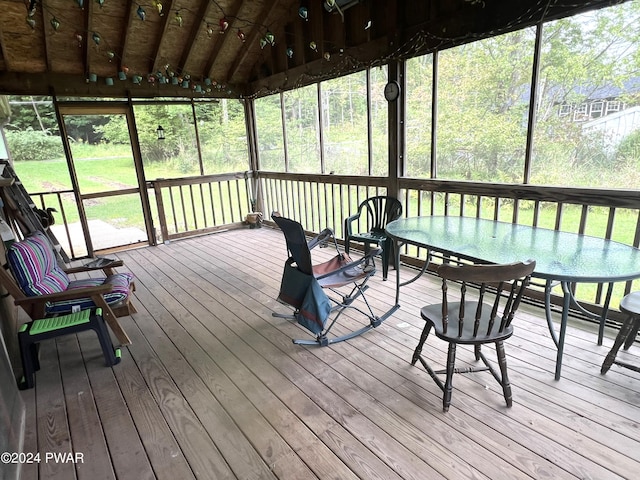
(303, 285)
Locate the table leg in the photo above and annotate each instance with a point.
(547, 310)
(420, 273)
(566, 303)
(396, 252)
(605, 311)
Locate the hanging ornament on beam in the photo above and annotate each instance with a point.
(80, 3)
(31, 9)
(78, 37)
(303, 13)
(31, 22)
(290, 52)
(242, 36)
(209, 30)
(270, 38)
(55, 23)
(179, 20)
(224, 25)
(96, 38)
(100, 2)
(263, 42)
(111, 55)
(158, 5)
(313, 46)
(141, 13)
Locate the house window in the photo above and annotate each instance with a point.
(580, 113)
(613, 106)
(596, 109)
(565, 110)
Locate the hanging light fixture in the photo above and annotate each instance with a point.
(160, 132)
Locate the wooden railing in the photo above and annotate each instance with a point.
(195, 205)
(317, 201)
(610, 214)
(190, 206)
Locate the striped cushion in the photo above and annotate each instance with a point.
(121, 283)
(35, 268)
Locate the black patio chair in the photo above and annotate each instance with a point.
(380, 211)
(304, 285)
(475, 321)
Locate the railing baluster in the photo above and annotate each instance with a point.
(213, 207)
(173, 210)
(559, 213)
(221, 200)
(193, 208)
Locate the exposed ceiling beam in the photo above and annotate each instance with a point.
(232, 16)
(157, 60)
(203, 12)
(49, 31)
(125, 32)
(88, 32)
(266, 12)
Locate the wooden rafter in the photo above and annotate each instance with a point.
(48, 32)
(233, 19)
(88, 31)
(203, 12)
(157, 59)
(125, 32)
(266, 12)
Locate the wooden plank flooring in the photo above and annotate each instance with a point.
(213, 388)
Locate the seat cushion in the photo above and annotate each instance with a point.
(121, 283)
(33, 264)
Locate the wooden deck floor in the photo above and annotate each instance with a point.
(213, 388)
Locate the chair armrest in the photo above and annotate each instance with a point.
(372, 253)
(66, 295)
(85, 268)
(322, 237)
(348, 229)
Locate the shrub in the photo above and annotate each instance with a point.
(629, 149)
(33, 145)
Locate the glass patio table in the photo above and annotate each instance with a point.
(567, 258)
